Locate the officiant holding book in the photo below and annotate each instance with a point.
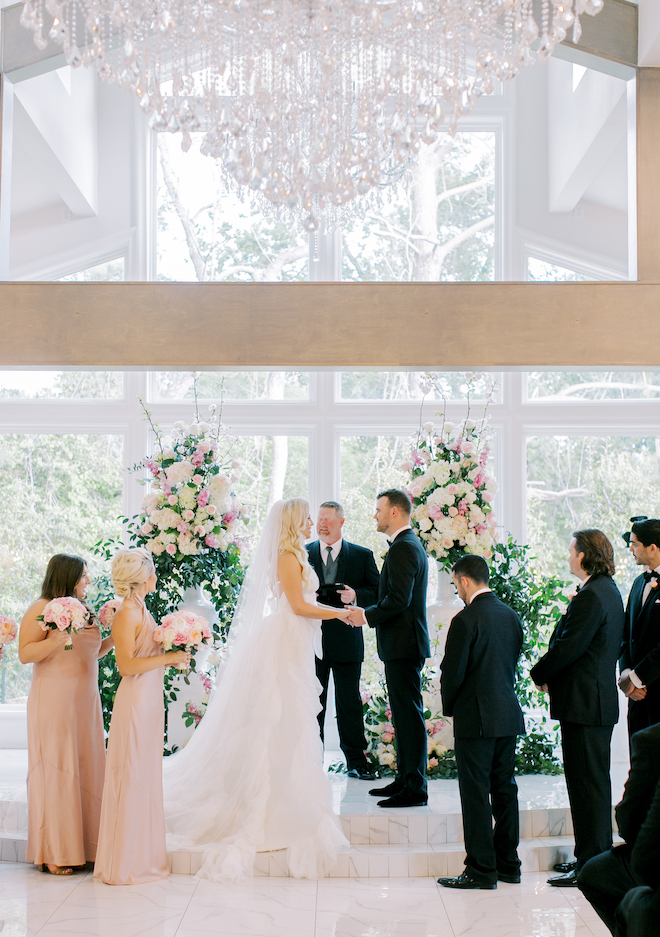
(348, 575)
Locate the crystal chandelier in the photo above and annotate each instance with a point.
(310, 103)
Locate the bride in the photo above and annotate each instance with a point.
(251, 778)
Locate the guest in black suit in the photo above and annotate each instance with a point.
(399, 617)
(478, 677)
(640, 649)
(623, 883)
(335, 560)
(579, 673)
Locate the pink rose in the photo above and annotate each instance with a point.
(171, 549)
(487, 496)
(447, 543)
(387, 737)
(453, 511)
(179, 639)
(197, 479)
(452, 489)
(188, 515)
(212, 541)
(199, 530)
(172, 499)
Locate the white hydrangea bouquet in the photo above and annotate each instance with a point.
(452, 492)
(191, 508)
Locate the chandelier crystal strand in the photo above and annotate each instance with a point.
(311, 106)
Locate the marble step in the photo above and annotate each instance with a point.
(398, 860)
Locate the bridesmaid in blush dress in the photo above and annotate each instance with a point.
(131, 847)
(66, 749)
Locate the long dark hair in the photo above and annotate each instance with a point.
(598, 553)
(63, 573)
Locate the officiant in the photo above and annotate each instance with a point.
(348, 575)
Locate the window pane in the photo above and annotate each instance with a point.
(271, 467)
(539, 270)
(70, 385)
(112, 270)
(593, 385)
(232, 385)
(589, 481)
(408, 385)
(207, 233)
(438, 224)
(58, 494)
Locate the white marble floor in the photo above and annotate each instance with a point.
(33, 903)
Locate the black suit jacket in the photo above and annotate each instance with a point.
(399, 615)
(356, 568)
(580, 665)
(479, 670)
(641, 785)
(640, 648)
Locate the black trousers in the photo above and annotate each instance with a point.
(605, 880)
(488, 790)
(348, 703)
(404, 687)
(586, 751)
(643, 713)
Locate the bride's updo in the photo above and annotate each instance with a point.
(130, 568)
(295, 512)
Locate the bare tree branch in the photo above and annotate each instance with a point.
(468, 187)
(182, 212)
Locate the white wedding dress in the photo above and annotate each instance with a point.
(251, 778)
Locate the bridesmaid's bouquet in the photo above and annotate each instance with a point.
(108, 611)
(8, 630)
(182, 631)
(64, 614)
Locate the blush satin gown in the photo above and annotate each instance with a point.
(66, 754)
(131, 847)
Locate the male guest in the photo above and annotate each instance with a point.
(399, 617)
(640, 650)
(579, 673)
(478, 676)
(335, 560)
(623, 883)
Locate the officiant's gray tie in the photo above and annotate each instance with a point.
(330, 567)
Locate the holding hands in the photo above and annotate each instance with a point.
(355, 617)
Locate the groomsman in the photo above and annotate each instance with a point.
(478, 677)
(399, 617)
(579, 673)
(335, 560)
(640, 649)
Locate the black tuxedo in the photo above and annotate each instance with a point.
(478, 678)
(640, 651)
(399, 617)
(623, 882)
(343, 648)
(580, 671)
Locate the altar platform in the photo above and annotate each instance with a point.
(416, 842)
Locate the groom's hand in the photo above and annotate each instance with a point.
(357, 617)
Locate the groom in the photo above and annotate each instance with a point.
(399, 617)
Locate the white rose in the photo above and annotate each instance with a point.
(428, 428)
(425, 523)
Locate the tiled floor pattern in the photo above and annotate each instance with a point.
(32, 903)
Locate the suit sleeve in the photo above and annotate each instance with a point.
(625, 660)
(460, 638)
(584, 617)
(403, 567)
(640, 786)
(367, 593)
(648, 669)
(645, 856)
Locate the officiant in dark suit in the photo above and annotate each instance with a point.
(399, 617)
(579, 673)
(336, 561)
(639, 662)
(478, 691)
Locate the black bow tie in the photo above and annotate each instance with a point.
(649, 576)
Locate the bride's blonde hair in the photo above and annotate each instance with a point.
(295, 512)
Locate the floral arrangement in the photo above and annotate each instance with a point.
(8, 630)
(107, 612)
(191, 508)
(193, 714)
(64, 614)
(183, 631)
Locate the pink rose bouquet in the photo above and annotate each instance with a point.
(182, 631)
(8, 630)
(64, 614)
(107, 612)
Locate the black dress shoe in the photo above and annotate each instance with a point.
(565, 866)
(362, 773)
(404, 799)
(466, 881)
(509, 879)
(393, 788)
(567, 880)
